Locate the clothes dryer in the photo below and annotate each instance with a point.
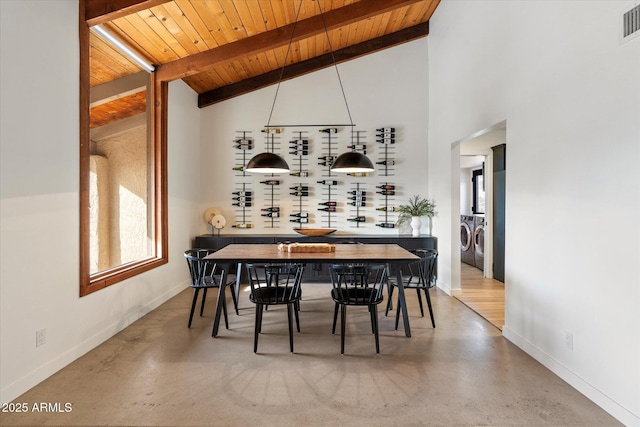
(478, 241)
(467, 254)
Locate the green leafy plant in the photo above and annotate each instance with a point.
(417, 206)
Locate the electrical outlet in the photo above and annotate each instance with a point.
(41, 337)
(568, 340)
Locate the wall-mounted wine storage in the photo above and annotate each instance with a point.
(312, 195)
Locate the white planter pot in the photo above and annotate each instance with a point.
(415, 225)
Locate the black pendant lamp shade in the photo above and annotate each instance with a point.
(267, 163)
(352, 162)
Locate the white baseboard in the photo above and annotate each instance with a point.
(33, 378)
(605, 402)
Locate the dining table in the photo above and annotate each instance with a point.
(393, 255)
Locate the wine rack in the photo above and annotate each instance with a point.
(299, 148)
(329, 141)
(357, 198)
(329, 206)
(243, 199)
(242, 195)
(243, 143)
(271, 212)
(358, 142)
(386, 137)
(300, 190)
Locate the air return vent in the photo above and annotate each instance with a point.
(631, 23)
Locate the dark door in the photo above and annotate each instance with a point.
(499, 200)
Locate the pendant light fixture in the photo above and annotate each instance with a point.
(270, 162)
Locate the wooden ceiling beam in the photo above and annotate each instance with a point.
(101, 11)
(305, 28)
(314, 64)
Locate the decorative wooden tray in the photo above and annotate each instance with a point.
(306, 247)
(314, 231)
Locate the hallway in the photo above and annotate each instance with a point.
(484, 296)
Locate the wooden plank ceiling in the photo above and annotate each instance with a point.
(225, 48)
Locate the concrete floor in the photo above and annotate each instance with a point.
(158, 372)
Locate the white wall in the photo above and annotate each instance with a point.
(388, 88)
(39, 192)
(570, 96)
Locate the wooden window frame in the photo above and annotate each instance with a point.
(90, 283)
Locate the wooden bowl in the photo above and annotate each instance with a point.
(314, 231)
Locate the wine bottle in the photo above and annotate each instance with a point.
(386, 140)
(300, 188)
(239, 168)
(387, 192)
(246, 145)
(388, 162)
(386, 187)
(242, 198)
(300, 215)
(300, 193)
(357, 219)
(242, 193)
(329, 130)
(327, 158)
(386, 135)
(328, 203)
(242, 204)
(299, 152)
(299, 142)
(361, 198)
(328, 182)
(357, 174)
(328, 209)
(272, 130)
(242, 225)
(271, 214)
(271, 209)
(386, 225)
(386, 130)
(301, 174)
(300, 220)
(243, 141)
(358, 193)
(386, 209)
(358, 203)
(357, 147)
(271, 182)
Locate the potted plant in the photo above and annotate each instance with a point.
(416, 208)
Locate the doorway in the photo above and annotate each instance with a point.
(478, 289)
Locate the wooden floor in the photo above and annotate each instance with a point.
(484, 296)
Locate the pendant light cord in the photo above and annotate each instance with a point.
(284, 64)
(333, 58)
(335, 65)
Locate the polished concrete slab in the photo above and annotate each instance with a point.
(157, 372)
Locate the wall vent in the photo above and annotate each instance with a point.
(631, 23)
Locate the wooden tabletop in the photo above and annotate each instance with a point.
(390, 253)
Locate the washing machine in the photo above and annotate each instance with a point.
(467, 225)
(478, 241)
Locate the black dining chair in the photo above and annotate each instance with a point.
(419, 275)
(204, 275)
(275, 284)
(357, 285)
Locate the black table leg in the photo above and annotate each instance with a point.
(221, 299)
(401, 299)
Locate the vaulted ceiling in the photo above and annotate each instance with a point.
(225, 48)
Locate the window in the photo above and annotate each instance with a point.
(478, 191)
(123, 222)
